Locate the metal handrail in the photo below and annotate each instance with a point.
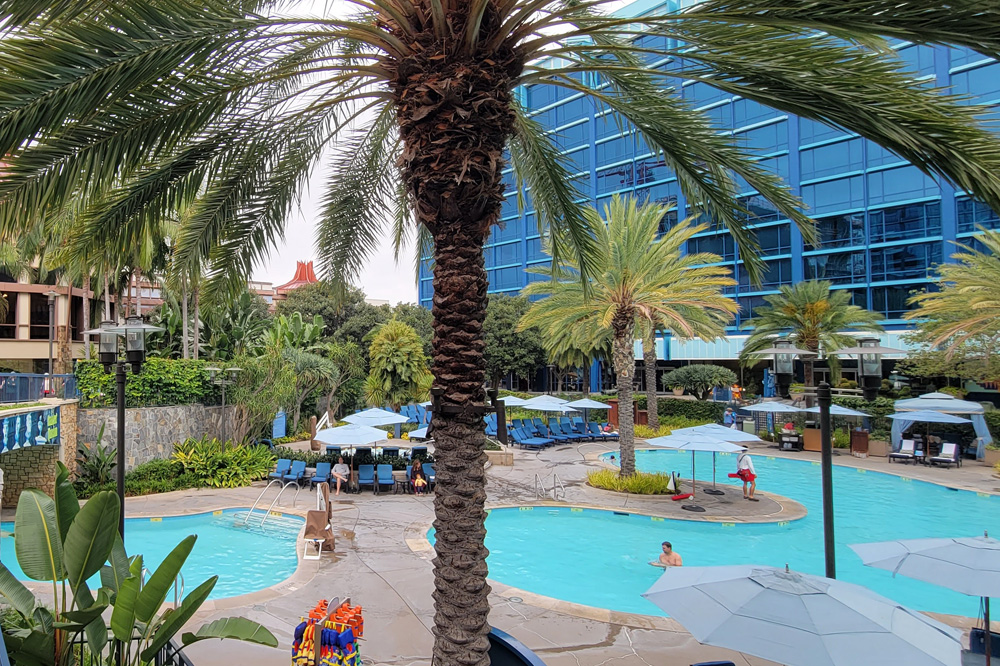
(178, 589)
(557, 483)
(259, 497)
(539, 488)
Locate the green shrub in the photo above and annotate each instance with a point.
(163, 381)
(640, 483)
(156, 470)
(646, 432)
(96, 461)
(289, 439)
(223, 464)
(699, 410)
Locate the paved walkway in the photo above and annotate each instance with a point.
(383, 562)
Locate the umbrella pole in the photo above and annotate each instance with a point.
(693, 487)
(989, 632)
(713, 470)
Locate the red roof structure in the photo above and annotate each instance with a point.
(304, 274)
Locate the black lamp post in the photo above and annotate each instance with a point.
(134, 331)
(51, 295)
(784, 367)
(219, 377)
(825, 399)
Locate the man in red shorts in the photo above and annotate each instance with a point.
(747, 474)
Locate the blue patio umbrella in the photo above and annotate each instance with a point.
(928, 416)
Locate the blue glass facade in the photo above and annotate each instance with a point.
(882, 223)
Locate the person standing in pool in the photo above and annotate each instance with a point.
(747, 474)
(668, 558)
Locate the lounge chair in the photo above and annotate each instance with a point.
(296, 473)
(333, 450)
(595, 431)
(558, 428)
(390, 451)
(610, 435)
(366, 477)
(905, 452)
(537, 424)
(280, 469)
(322, 474)
(949, 455)
(383, 477)
(421, 414)
(579, 427)
(431, 475)
(555, 437)
(418, 451)
(523, 439)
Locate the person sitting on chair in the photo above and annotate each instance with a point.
(417, 479)
(341, 472)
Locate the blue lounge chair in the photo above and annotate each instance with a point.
(390, 451)
(296, 473)
(537, 423)
(516, 423)
(431, 475)
(280, 469)
(545, 433)
(383, 477)
(421, 414)
(613, 436)
(418, 451)
(333, 450)
(557, 428)
(596, 432)
(526, 441)
(579, 427)
(322, 474)
(366, 476)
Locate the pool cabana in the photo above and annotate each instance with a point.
(946, 404)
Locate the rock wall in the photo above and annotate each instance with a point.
(151, 432)
(31, 467)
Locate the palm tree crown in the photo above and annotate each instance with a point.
(645, 279)
(813, 316)
(967, 306)
(132, 114)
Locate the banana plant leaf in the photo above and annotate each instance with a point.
(173, 619)
(36, 649)
(38, 544)
(15, 594)
(66, 502)
(154, 592)
(123, 614)
(114, 573)
(90, 539)
(239, 628)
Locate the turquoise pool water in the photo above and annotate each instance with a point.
(246, 559)
(600, 558)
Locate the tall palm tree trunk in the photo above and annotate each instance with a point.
(649, 368)
(624, 360)
(585, 387)
(86, 313)
(454, 119)
(808, 376)
(185, 349)
(107, 299)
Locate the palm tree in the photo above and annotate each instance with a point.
(813, 316)
(226, 107)
(644, 278)
(648, 331)
(967, 307)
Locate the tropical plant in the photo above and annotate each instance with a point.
(509, 351)
(966, 307)
(293, 332)
(223, 464)
(398, 373)
(640, 483)
(813, 317)
(700, 379)
(645, 277)
(349, 364)
(95, 461)
(976, 358)
(312, 372)
(61, 542)
(265, 385)
(225, 107)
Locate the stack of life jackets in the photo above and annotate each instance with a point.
(328, 639)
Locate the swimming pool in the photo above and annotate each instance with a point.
(246, 559)
(600, 558)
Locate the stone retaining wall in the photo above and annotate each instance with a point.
(31, 467)
(151, 432)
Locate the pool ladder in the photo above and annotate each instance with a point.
(178, 585)
(298, 489)
(557, 493)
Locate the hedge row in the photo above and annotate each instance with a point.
(163, 381)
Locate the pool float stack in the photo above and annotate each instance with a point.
(329, 638)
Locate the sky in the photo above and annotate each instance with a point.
(382, 277)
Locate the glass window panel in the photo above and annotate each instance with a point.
(572, 110)
(859, 297)
(902, 262)
(578, 160)
(876, 155)
(899, 184)
(761, 210)
(840, 231)
(768, 139)
(778, 272)
(832, 159)
(919, 59)
(839, 268)
(426, 289)
(508, 253)
(721, 116)
(811, 131)
(506, 230)
(775, 240)
(834, 195)
(615, 178)
(534, 250)
(961, 55)
(651, 170)
(616, 150)
(509, 206)
(570, 137)
(776, 165)
(660, 193)
(982, 83)
(720, 244)
(606, 125)
(891, 301)
(748, 112)
(748, 306)
(901, 222)
(973, 214)
(702, 93)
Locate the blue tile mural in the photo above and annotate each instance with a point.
(40, 427)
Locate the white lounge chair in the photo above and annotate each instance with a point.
(948, 456)
(905, 451)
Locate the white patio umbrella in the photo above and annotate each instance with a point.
(719, 432)
(800, 620)
(544, 399)
(928, 416)
(419, 433)
(772, 407)
(837, 410)
(350, 434)
(970, 565)
(376, 417)
(513, 401)
(694, 443)
(586, 404)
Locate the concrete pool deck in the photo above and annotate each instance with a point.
(383, 563)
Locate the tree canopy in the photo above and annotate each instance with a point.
(509, 350)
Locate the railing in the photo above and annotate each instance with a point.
(28, 387)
